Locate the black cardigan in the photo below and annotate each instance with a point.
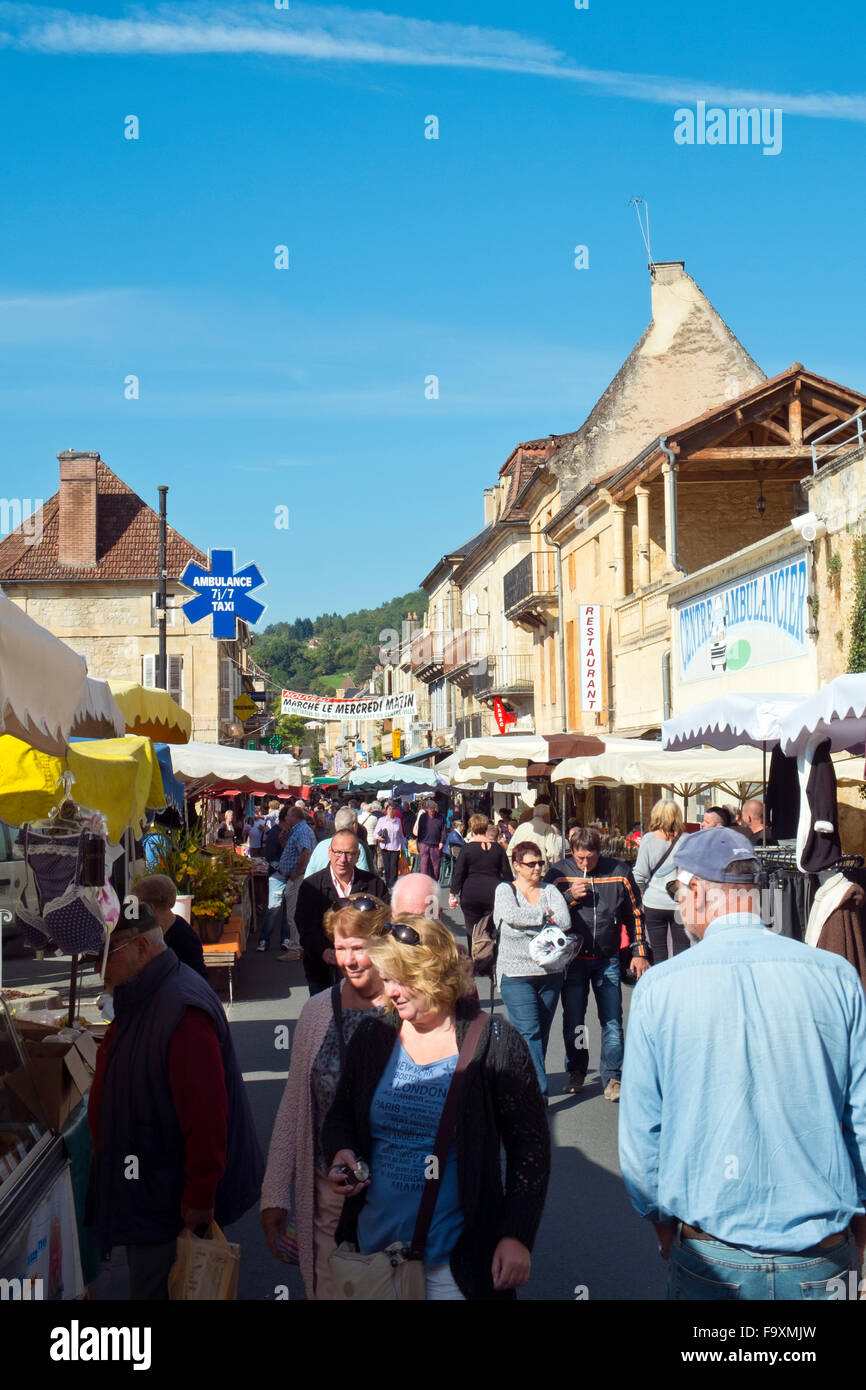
(479, 870)
(501, 1104)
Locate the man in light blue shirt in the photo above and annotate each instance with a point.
(743, 1107)
(345, 819)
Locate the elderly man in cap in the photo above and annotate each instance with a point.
(173, 1136)
(743, 1113)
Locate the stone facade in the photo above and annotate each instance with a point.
(112, 628)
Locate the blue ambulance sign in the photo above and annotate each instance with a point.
(222, 594)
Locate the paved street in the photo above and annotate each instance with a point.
(590, 1238)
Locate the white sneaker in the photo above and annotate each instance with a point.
(261, 946)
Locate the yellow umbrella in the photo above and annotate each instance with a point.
(118, 776)
(152, 713)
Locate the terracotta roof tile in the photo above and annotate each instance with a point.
(126, 548)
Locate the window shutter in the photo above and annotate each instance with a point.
(175, 678)
(148, 672)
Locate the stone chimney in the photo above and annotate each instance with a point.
(78, 509)
(490, 496)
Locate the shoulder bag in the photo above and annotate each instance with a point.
(671, 847)
(397, 1273)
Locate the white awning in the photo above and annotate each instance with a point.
(730, 721)
(42, 681)
(213, 764)
(99, 715)
(837, 711)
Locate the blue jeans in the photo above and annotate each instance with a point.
(274, 916)
(708, 1270)
(531, 1003)
(603, 975)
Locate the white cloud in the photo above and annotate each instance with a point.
(332, 33)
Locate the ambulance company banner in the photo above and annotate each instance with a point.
(757, 621)
(371, 707)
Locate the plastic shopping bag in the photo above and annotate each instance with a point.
(206, 1268)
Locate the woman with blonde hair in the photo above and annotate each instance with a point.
(482, 866)
(398, 1072)
(296, 1175)
(655, 867)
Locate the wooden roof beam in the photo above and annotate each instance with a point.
(760, 453)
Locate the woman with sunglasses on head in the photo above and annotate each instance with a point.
(295, 1158)
(529, 992)
(388, 1108)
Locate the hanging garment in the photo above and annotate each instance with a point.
(837, 921)
(786, 900)
(63, 910)
(782, 802)
(818, 843)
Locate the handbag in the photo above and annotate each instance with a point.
(205, 1269)
(397, 1272)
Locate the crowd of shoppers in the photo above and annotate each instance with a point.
(394, 1063)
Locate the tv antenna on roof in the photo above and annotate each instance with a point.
(637, 204)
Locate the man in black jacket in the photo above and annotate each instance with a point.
(318, 894)
(602, 898)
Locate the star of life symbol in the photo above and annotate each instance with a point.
(223, 594)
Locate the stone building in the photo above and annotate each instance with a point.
(87, 571)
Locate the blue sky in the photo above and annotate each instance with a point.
(262, 388)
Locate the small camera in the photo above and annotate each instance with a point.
(353, 1176)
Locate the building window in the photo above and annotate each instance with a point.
(173, 605)
(175, 675)
(596, 556)
(552, 670)
(571, 583)
(230, 689)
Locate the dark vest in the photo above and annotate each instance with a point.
(137, 1116)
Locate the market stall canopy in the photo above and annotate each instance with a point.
(118, 776)
(507, 752)
(151, 713)
(241, 769)
(730, 721)
(391, 774)
(174, 790)
(648, 764)
(42, 681)
(513, 750)
(837, 712)
(99, 715)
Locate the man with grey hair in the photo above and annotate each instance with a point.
(418, 894)
(540, 831)
(345, 819)
(743, 1113)
(173, 1136)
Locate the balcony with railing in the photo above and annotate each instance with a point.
(504, 676)
(473, 726)
(463, 654)
(529, 590)
(843, 438)
(427, 654)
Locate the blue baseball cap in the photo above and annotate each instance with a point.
(721, 855)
